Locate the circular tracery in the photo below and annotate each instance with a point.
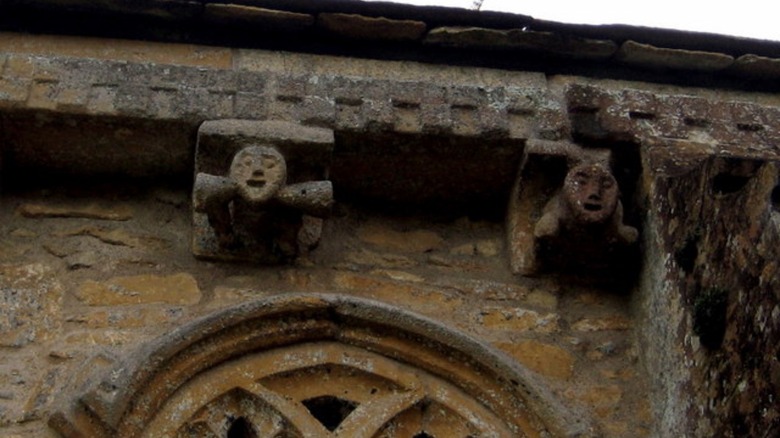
(317, 366)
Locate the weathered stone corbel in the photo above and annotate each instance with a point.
(565, 211)
(261, 190)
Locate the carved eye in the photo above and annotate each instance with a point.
(607, 183)
(270, 164)
(247, 161)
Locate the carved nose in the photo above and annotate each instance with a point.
(257, 179)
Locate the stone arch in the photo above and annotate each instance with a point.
(313, 365)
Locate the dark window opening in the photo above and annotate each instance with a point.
(776, 198)
(330, 411)
(241, 428)
(423, 435)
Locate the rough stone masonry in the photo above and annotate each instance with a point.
(400, 293)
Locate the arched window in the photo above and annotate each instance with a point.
(317, 366)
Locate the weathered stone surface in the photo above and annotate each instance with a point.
(268, 20)
(93, 211)
(486, 289)
(602, 324)
(179, 288)
(244, 207)
(111, 49)
(517, 39)
(604, 399)
(115, 236)
(398, 275)
(546, 359)
(384, 260)
(30, 304)
(542, 298)
(372, 28)
(404, 293)
(645, 55)
(756, 66)
(417, 241)
(519, 320)
(128, 317)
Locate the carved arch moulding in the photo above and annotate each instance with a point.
(314, 365)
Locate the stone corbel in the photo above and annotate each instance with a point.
(261, 190)
(565, 211)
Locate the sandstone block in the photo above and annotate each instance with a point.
(259, 18)
(520, 320)
(646, 55)
(383, 260)
(756, 66)
(603, 400)
(602, 324)
(545, 359)
(417, 241)
(30, 303)
(179, 288)
(42, 95)
(543, 299)
(14, 91)
(406, 294)
(374, 28)
(90, 211)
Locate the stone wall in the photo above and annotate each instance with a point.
(95, 260)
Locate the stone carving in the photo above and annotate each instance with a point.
(587, 204)
(316, 366)
(246, 206)
(257, 184)
(580, 227)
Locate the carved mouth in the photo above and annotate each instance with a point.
(257, 180)
(589, 206)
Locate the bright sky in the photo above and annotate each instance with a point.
(747, 18)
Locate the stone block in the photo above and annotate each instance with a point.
(561, 44)
(645, 55)
(133, 100)
(250, 105)
(317, 111)
(468, 37)
(518, 319)
(120, 212)
(42, 95)
(609, 323)
(181, 288)
(435, 119)
(269, 20)
(408, 294)
(546, 359)
(378, 114)
(519, 39)
(371, 28)
(102, 100)
(72, 97)
(756, 66)
(30, 304)
(14, 91)
(493, 122)
(603, 399)
(417, 241)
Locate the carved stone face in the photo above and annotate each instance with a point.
(259, 172)
(591, 193)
